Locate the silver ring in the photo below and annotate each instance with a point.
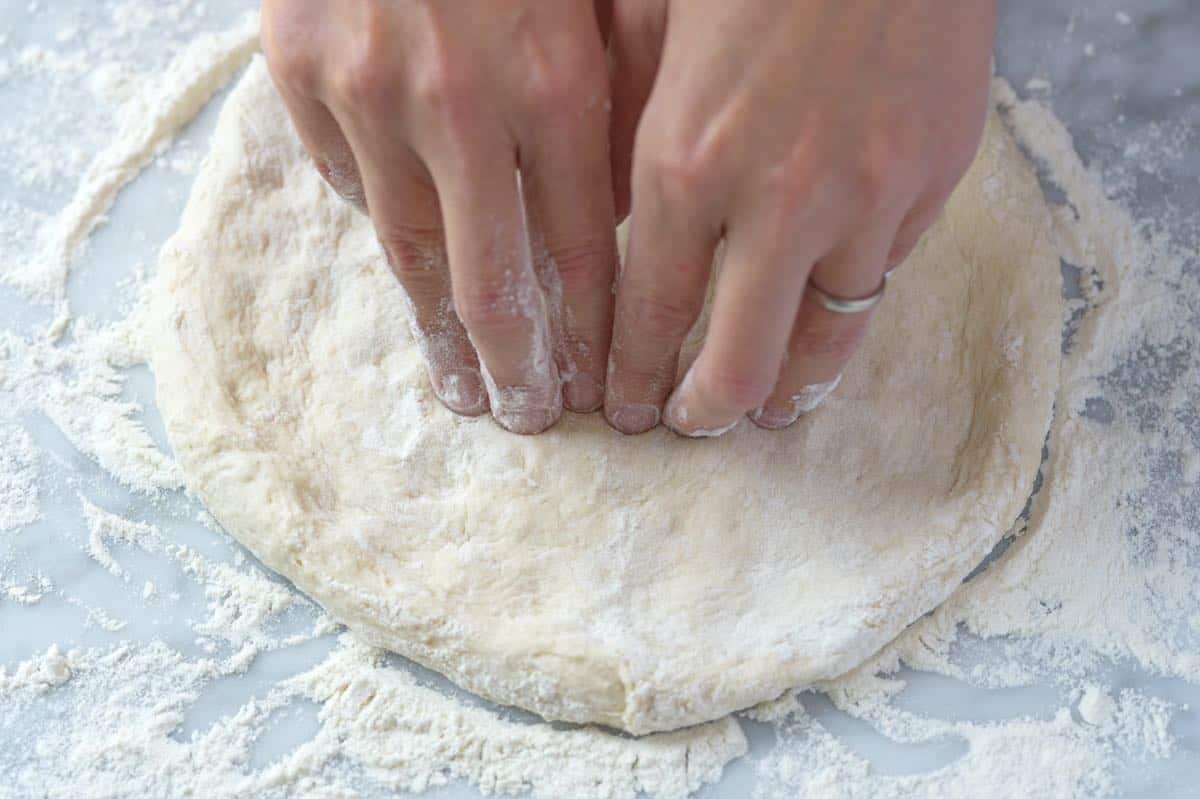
(848, 305)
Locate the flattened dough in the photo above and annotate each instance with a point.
(647, 582)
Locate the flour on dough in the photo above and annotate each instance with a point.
(643, 582)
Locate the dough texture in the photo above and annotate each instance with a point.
(644, 582)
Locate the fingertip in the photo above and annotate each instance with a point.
(527, 421)
(679, 420)
(526, 410)
(777, 414)
(634, 418)
(462, 391)
(774, 417)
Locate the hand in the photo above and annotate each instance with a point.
(422, 112)
(818, 139)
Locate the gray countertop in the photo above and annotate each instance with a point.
(1114, 79)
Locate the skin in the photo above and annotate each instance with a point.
(817, 139)
(421, 112)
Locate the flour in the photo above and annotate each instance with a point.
(90, 78)
(240, 602)
(150, 119)
(1068, 759)
(19, 461)
(79, 388)
(39, 675)
(1104, 568)
(29, 592)
(398, 733)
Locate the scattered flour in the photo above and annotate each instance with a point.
(1048, 758)
(19, 461)
(149, 120)
(240, 602)
(1104, 568)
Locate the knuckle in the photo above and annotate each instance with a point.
(368, 76)
(414, 253)
(790, 186)
(679, 169)
(445, 88)
(874, 175)
(441, 85)
(733, 386)
(488, 304)
(287, 44)
(366, 83)
(290, 65)
(566, 84)
(662, 317)
(584, 265)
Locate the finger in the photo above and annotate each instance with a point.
(405, 211)
(565, 179)
(292, 41)
(822, 341)
(755, 304)
(635, 45)
(496, 290)
(324, 140)
(660, 293)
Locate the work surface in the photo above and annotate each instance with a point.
(1123, 79)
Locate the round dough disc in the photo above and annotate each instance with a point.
(643, 582)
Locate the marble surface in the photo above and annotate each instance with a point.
(1113, 81)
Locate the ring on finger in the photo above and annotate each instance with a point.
(848, 305)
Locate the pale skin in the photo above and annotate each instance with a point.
(496, 144)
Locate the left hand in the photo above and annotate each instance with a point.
(818, 139)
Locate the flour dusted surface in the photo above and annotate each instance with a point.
(115, 711)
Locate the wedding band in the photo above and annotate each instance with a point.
(847, 305)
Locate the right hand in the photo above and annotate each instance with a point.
(421, 113)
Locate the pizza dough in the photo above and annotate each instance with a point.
(644, 582)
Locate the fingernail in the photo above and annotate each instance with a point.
(636, 418)
(583, 394)
(526, 421)
(804, 401)
(526, 409)
(775, 418)
(675, 414)
(679, 419)
(462, 391)
(707, 432)
(676, 418)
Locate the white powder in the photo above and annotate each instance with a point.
(1103, 569)
(1049, 758)
(149, 118)
(240, 602)
(40, 674)
(79, 388)
(19, 460)
(31, 591)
